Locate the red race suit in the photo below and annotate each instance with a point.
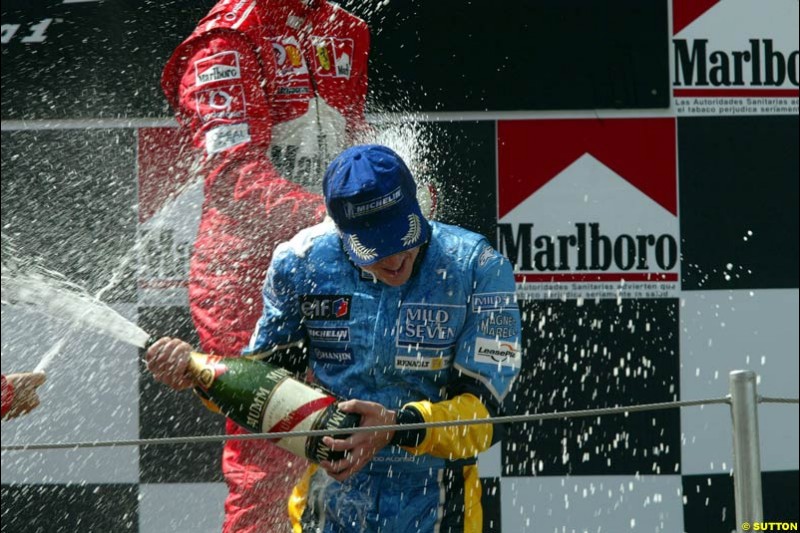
(271, 91)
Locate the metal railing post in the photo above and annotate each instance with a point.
(746, 455)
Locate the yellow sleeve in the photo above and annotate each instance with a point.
(453, 442)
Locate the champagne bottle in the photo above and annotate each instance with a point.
(264, 398)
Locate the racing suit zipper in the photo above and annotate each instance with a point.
(322, 145)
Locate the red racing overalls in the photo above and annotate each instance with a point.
(271, 91)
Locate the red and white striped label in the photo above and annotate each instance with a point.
(294, 406)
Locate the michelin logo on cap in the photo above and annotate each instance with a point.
(352, 210)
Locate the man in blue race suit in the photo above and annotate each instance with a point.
(415, 320)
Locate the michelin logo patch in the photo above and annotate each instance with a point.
(342, 356)
(488, 301)
(496, 353)
(329, 335)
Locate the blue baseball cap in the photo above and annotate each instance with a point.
(372, 197)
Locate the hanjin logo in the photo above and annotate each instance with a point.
(335, 356)
(598, 216)
(223, 66)
(325, 307)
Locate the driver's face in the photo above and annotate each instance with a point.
(396, 269)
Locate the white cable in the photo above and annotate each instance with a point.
(511, 419)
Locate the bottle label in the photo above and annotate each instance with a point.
(256, 408)
(294, 406)
(206, 368)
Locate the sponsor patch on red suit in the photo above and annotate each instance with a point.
(221, 103)
(292, 79)
(333, 57)
(223, 66)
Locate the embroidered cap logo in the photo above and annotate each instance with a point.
(361, 251)
(414, 230)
